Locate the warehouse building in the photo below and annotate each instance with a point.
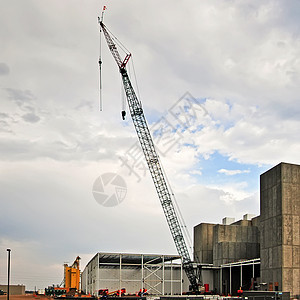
(158, 274)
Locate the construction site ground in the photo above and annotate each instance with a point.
(191, 297)
(24, 297)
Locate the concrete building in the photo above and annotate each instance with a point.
(14, 289)
(221, 244)
(264, 249)
(280, 228)
(233, 251)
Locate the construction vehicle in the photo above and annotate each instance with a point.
(62, 293)
(103, 292)
(152, 158)
(2, 293)
(70, 285)
(117, 293)
(55, 291)
(72, 276)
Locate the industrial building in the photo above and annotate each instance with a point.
(260, 252)
(14, 289)
(233, 251)
(264, 251)
(280, 228)
(158, 274)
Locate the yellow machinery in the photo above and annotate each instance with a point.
(72, 275)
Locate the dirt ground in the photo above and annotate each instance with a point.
(24, 297)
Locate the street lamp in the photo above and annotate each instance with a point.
(8, 273)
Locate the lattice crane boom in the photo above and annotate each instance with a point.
(152, 159)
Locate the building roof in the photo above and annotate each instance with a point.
(134, 259)
(130, 260)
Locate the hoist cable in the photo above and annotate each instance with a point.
(180, 216)
(118, 42)
(100, 71)
(136, 82)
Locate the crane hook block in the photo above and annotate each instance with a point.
(123, 114)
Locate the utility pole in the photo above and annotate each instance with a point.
(8, 272)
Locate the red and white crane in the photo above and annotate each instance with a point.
(152, 159)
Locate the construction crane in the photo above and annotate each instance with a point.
(152, 159)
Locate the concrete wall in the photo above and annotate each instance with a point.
(203, 243)
(280, 227)
(235, 242)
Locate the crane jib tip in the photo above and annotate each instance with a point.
(102, 14)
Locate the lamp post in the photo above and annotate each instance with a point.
(8, 273)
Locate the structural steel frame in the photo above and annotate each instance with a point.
(153, 271)
(240, 264)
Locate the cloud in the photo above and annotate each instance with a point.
(4, 116)
(26, 255)
(5, 120)
(58, 150)
(31, 118)
(85, 104)
(20, 97)
(196, 172)
(201, 204)
(4, 69)
(233, 172)
(246, 134)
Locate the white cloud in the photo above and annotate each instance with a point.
(196, 172)
(4, 69)
(233, 172)
(202, 203)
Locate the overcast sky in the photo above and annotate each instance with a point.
(230, 68)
